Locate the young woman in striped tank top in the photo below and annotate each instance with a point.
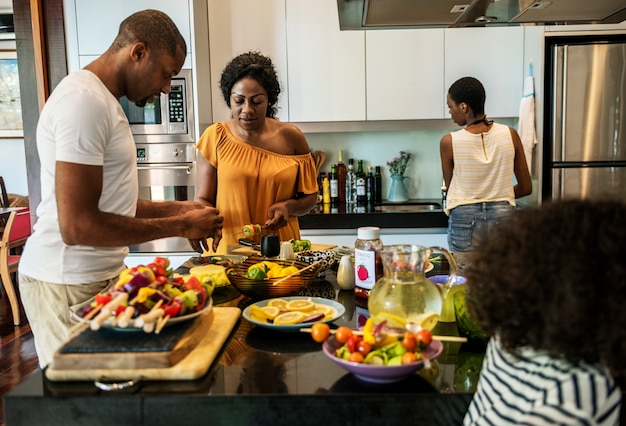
(479, 165)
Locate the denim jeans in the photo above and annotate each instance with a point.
(470, 223)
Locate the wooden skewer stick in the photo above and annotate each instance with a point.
(435, 337)
(311, 266)
(161, 323)
(85, 319)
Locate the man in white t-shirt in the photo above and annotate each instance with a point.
(90, 213)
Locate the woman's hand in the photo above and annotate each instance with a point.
(278, 216)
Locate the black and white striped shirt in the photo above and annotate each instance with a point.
(538, 389)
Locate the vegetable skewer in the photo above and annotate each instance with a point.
(458, 339)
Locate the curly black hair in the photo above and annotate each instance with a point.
(258, 67)
(554, 278)
(470, 91)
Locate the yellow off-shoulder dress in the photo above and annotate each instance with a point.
(251, 179)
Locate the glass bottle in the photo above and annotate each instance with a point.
(378, 187)
(350, 183)
(334, 185)
(370, 186)
(342, 170)
(361, 190)
(368, 264)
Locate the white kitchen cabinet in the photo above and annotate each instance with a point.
(405, 74)
(98, 21)
(239, 26)
(326, 66)
(495, 56)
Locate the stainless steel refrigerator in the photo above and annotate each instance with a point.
(585, 118)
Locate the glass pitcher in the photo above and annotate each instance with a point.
(404, 292)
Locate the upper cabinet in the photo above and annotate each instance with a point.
(405, 78)
(495, 56)
(326, 66)
(239, 26)
(93, 24)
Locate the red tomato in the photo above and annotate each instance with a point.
(120, 309)
(356, 357)
(320, 332)
(352, 342)
(161, 279)
(409, 341)
(162, 261)
(424, 337)
(103, 299)
(364, 347)
(172, 310)
(409, 358)
(158, 270)
(342, 334)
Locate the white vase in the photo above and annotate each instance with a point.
(345, 273)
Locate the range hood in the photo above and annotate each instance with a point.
(385, 14)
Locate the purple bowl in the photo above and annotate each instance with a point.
(441, 279)
(380, 373)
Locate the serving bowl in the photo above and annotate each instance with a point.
(326, 258)
(271, 287)
(380, 373)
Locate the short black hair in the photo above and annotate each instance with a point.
(554, 278)
(153, 28)
(470, 91)
(253, 65)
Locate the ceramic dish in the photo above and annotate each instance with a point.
(338, 307)
(380, 373)
(108, 324)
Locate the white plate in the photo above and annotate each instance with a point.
(108, 324)
(338, 307)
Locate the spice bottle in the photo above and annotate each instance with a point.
(368, 264)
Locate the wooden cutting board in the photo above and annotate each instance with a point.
(199, 347)
(249, 251)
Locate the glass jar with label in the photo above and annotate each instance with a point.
(368, 264)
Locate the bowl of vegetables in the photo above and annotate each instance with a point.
(379, 354)
(261, 278)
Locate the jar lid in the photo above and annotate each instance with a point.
(368, 233)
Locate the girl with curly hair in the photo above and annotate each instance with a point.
(549, 287)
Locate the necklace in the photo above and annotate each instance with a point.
(482, 120)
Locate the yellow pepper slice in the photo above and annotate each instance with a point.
(368, 331)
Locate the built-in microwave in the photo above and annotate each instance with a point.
(170, 118)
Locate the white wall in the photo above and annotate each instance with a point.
(13, 166)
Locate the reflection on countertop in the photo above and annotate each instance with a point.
(415, 213)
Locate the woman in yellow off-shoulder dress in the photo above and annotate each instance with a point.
(254, 168)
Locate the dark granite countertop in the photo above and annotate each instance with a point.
(263, 377)
(419, 213)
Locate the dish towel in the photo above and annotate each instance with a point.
(526, 124)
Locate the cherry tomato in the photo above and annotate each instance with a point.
(103, 299)
(162, 261)
(424, 337)
(409, 341)
(352, 342)
(356, 357)
(320, 332)
(364, 347)
(342, 334)
(409, 358)
(161, 279)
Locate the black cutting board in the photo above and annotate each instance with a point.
(109, 340)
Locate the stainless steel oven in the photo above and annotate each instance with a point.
(167, 172)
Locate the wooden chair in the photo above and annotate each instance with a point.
(16, 231)
(4, 200)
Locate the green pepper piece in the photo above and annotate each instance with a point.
(394, 349)
(256, 274)
(190, 299)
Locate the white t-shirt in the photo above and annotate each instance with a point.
(82, 122)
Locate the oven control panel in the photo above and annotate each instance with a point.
(166, 153)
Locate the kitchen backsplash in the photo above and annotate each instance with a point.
(376, 148)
